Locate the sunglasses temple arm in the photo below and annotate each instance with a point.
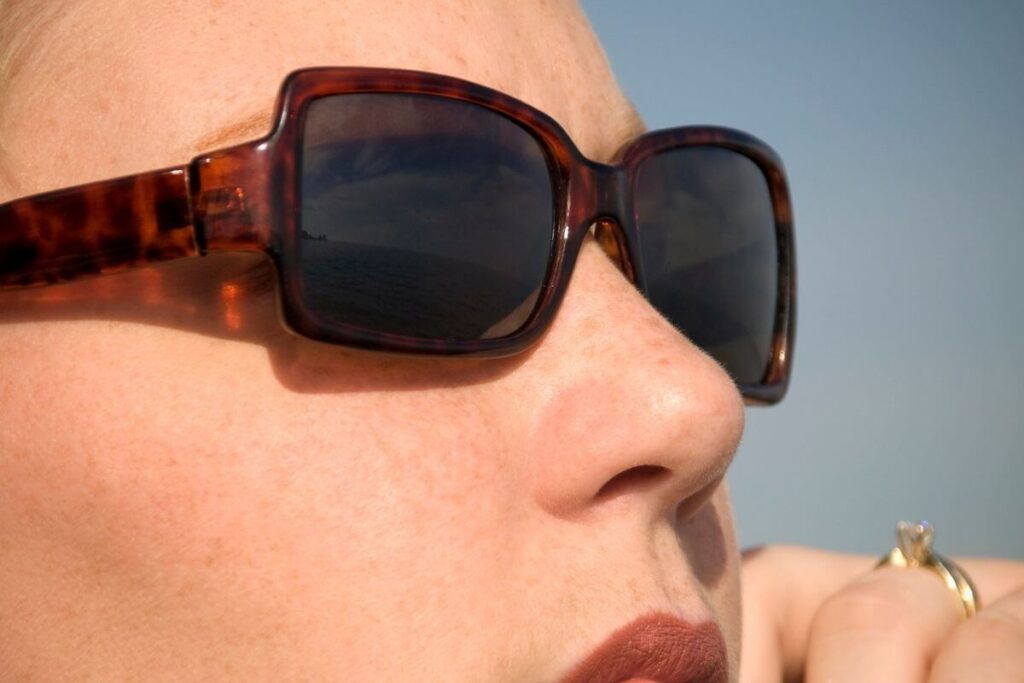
(99, 228)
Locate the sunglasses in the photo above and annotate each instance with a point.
(419, 213)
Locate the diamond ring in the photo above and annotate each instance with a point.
(914, 549)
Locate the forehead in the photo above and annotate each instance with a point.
(146, 84)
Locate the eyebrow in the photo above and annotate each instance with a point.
(8, 182)
(255, 125)
(627, 127)
(632, 122)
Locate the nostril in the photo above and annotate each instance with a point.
(639, 478)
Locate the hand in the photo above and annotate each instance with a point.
(813, 616)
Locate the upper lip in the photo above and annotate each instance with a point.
(660, 648)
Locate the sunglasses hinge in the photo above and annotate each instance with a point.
(226, 198)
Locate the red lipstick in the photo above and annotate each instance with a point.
(658, 648)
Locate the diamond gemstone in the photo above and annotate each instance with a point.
(914, 540)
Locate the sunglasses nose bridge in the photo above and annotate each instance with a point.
(607, 211)
(607, 198)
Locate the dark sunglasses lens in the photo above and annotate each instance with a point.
(421, 216)
(709, 253)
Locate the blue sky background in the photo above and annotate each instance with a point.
(902, 128)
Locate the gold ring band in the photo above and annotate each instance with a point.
(914, 549)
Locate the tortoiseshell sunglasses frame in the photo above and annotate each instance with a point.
(245, 198)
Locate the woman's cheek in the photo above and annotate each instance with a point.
(709, 541)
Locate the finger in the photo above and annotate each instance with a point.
(885, 626)
(987, 647)
(772, 608)
(785, 586)
(761, 654)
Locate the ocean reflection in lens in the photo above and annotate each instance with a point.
(422, 217)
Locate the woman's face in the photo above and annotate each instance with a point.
(189, 492)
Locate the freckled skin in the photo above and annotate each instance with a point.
(184, 503)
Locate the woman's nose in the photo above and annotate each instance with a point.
(623, 410)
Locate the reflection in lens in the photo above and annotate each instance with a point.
(421, 216)
(709, 252)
